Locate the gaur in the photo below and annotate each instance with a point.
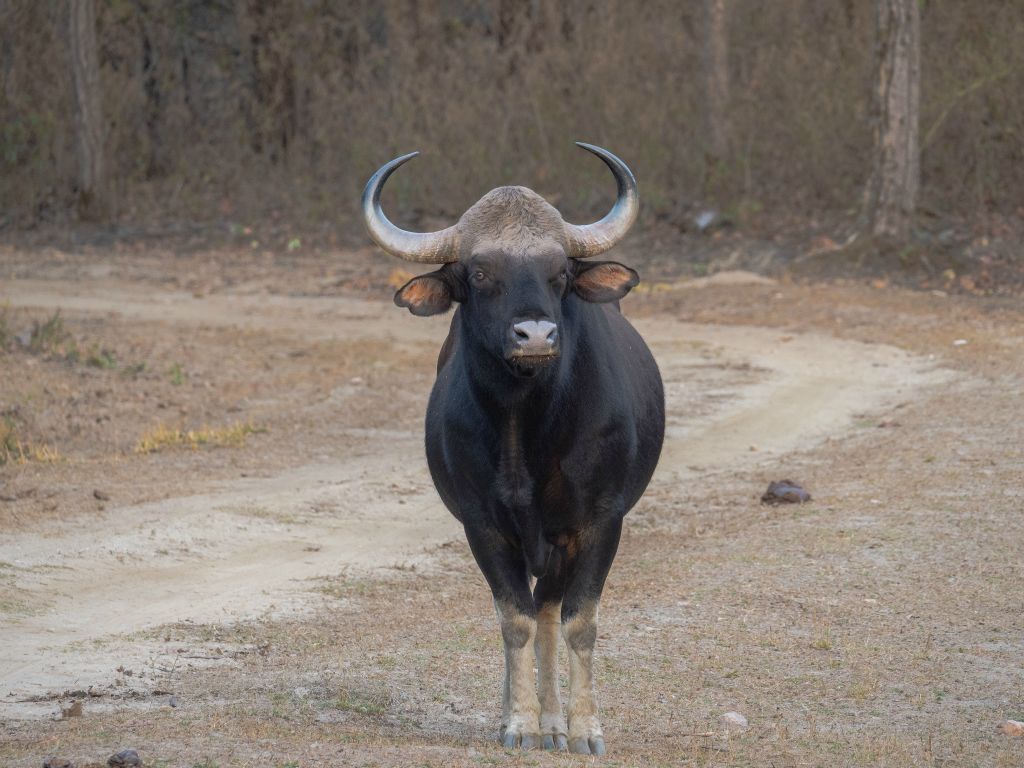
(543, 428)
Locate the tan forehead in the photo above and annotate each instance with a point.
(516, 248)
(512, 219)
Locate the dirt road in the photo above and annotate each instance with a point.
(336, 493)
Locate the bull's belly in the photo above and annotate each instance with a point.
(557, 505)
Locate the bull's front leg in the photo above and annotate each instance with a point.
(580, 632)
(520, 708)
(504, 568)
(579, 628)
(553, 729)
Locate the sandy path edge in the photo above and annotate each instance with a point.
(254, 546)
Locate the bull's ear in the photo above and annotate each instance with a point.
(601, 281)
(429, 294)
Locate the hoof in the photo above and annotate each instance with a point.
(556, 742)
(587, 746)
(511, 739)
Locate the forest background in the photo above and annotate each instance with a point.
(218, 116)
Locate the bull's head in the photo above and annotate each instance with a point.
(512, 262)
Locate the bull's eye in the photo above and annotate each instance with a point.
(479, 276)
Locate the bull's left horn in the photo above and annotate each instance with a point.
(591, 239)
(425, 247)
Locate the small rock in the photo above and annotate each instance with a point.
(785, 492)
(703, 220)
(101, 495)
(734, 720)
(57, 762)
(18, 495)
(126, 758)
(173, 701)
(960, 342)
(1012, 728)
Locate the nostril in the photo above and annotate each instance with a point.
(535, 333)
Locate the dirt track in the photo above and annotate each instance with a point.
(337, 489)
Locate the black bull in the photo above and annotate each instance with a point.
(543, 429)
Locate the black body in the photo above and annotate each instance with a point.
(542, 465)
(543, 429)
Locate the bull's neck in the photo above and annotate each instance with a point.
(497, 387)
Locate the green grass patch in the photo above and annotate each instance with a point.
(362, 702)
(98, 357)
(176, 375)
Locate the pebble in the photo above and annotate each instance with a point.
(734, 720)
(1012, 728)
(126, 758)
(57, 762)
(785, 492)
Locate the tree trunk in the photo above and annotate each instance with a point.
(891, 193)
(716, 78)
(92, 188)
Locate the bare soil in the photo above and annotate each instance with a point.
(302, 597)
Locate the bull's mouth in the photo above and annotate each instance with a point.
(530, 365)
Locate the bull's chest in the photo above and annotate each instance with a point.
(529, 478)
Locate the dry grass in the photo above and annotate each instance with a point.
(162, 437)
(15, 450)
(822, 638)
(49, 336)
(849, 633)
(6, 333)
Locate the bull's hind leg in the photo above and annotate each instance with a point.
(579, 628)
(504, 569)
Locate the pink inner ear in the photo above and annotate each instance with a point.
(420, 292)
(610, 276)
(424, 296)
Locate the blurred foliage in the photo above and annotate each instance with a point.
(48, 336)
(218, 109)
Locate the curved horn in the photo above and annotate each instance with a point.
(587, 240)
(424, 247)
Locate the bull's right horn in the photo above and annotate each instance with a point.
(425, 247)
